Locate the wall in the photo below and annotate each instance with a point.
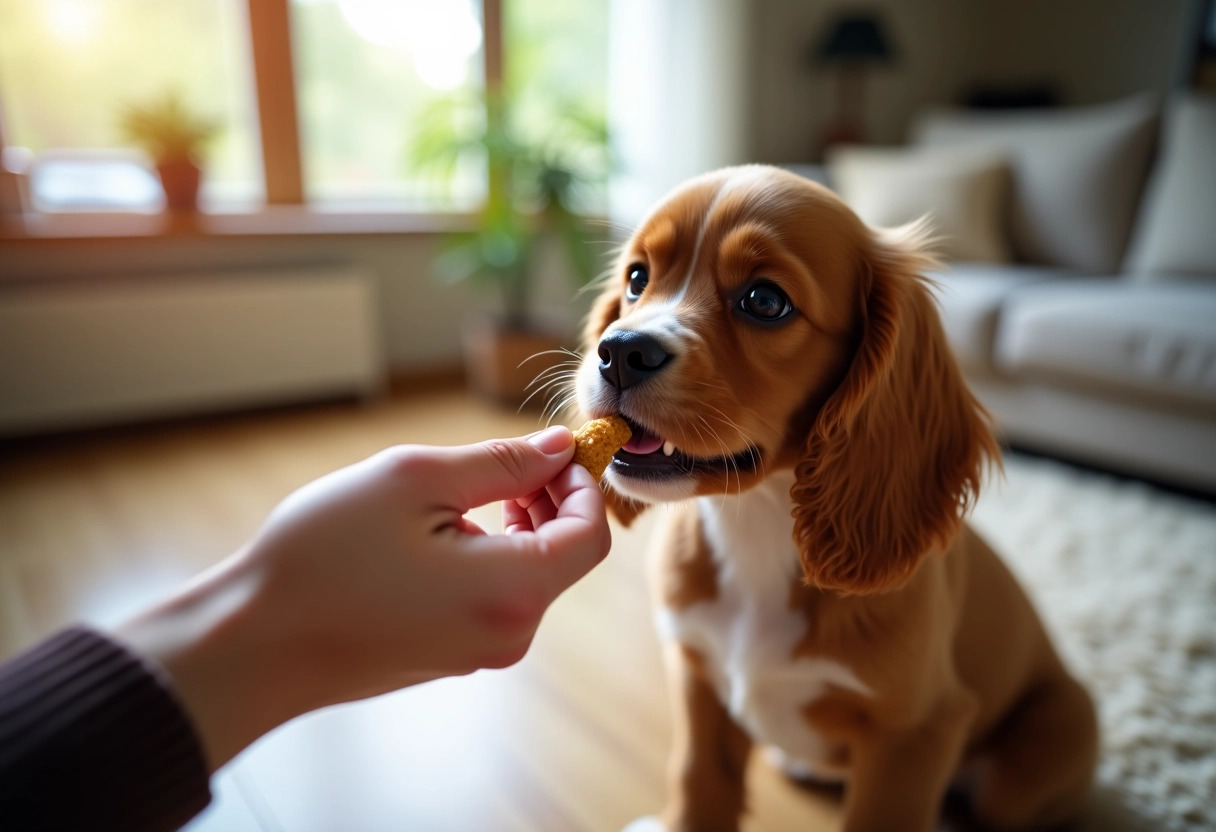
(676, 95)
(1095, 50)
(1092, 50)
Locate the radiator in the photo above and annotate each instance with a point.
(84, 354)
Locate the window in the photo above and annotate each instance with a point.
(365, 71)
(69, 67)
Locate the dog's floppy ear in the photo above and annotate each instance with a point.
(895, 456)
(605, 310)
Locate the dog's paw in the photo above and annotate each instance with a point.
(647, 824)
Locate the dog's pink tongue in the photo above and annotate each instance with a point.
(643, 443)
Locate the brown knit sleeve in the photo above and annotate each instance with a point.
(92, 737)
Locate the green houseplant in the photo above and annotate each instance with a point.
(175, 138)
(535, 189)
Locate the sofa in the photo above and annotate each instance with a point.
(1079, 292)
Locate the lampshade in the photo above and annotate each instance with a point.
(854, 37)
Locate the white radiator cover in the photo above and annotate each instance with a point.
(86, 354)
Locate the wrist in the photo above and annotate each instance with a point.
(217, 645)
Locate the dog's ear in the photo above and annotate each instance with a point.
(895, 456)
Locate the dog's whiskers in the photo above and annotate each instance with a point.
(541, 353)
(562, 404)
(561, 377)
(727, 457)
(565, 367)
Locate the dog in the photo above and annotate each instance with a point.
(790, 390)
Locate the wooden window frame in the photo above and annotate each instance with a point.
(275, 95)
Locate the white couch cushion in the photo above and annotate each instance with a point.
(1176, 230)
(965, 194)
(970, 295)
(1151, 340)
(1077, 175)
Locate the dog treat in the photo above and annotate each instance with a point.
(597, 441)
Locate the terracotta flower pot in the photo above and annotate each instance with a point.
(180, 179)
(500, 362)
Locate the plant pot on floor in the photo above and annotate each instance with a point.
(180, 179)
(501, 362)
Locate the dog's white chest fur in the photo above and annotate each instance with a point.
(747, 634)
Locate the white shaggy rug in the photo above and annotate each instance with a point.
(1125, 576)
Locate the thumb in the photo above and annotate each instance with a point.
(502, 469)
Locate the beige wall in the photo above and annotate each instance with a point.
(1093, 50)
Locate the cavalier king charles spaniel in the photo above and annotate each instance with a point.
(792, 394)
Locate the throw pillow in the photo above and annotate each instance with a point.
(1077, 174)
(1176, 231)
(964, 194)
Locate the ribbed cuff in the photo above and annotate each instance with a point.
(93, 737)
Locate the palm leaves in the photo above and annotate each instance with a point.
(537, 186)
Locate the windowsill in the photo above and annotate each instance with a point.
(267, 222)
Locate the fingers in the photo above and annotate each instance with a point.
(515, 518)
(528, 513)
(466, 526)
(555, 553)
(577, 495)
(542, 510)
(552, 539)
(468, 476)
(578, 538)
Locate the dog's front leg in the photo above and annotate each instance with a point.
(709, 752)
(900, 777)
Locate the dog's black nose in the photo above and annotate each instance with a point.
(628, 356)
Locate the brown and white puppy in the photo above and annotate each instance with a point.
(786, 375)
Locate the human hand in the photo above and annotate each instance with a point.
(371, 578)
(376, 565)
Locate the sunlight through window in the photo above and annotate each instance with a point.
(68, 69)
(366, 71)
(440, 37)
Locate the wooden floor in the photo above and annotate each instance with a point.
(573, 738)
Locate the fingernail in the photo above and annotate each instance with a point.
(552, 440)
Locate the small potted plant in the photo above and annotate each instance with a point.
(532, 201)
(175, 138)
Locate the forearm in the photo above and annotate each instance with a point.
(226, 658)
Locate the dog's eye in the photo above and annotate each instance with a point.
(765, 302)
(638, 278)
